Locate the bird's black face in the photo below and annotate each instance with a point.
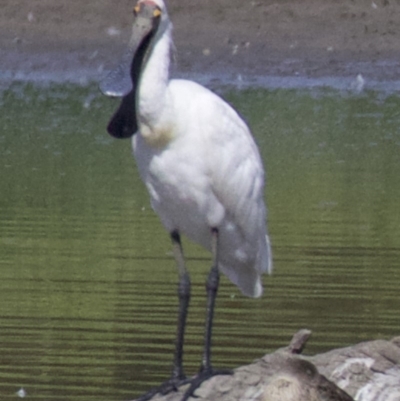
(123, 81)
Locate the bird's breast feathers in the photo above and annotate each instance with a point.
(159, 134)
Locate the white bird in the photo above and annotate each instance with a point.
(200, 165)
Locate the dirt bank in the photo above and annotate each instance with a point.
(308, 38)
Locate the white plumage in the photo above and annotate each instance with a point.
(201, 167)
(209, 174)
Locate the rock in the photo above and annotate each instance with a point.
(368, 371)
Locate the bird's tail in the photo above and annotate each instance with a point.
(248, 277)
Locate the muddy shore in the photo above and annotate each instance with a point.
(310, 39)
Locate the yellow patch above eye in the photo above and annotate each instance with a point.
(136, 9)
(156, 13)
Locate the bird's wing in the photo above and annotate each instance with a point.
(236, 169)
(232, 164)
(228, 169)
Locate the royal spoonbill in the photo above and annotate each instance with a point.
(201, 167)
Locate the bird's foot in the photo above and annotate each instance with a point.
(200, 378)
(167, 387)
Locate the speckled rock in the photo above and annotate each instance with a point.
(369, 371)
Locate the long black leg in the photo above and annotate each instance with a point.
(178, 377)
(206, 370)
(212, 284)
(184, 298)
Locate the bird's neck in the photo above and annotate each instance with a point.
(152, 90)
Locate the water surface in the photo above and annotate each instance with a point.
(87, 278)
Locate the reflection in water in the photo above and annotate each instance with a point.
(87, 280)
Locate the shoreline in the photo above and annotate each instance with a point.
(82, 74)
(264, 43)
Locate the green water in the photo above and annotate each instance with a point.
(87, 278)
